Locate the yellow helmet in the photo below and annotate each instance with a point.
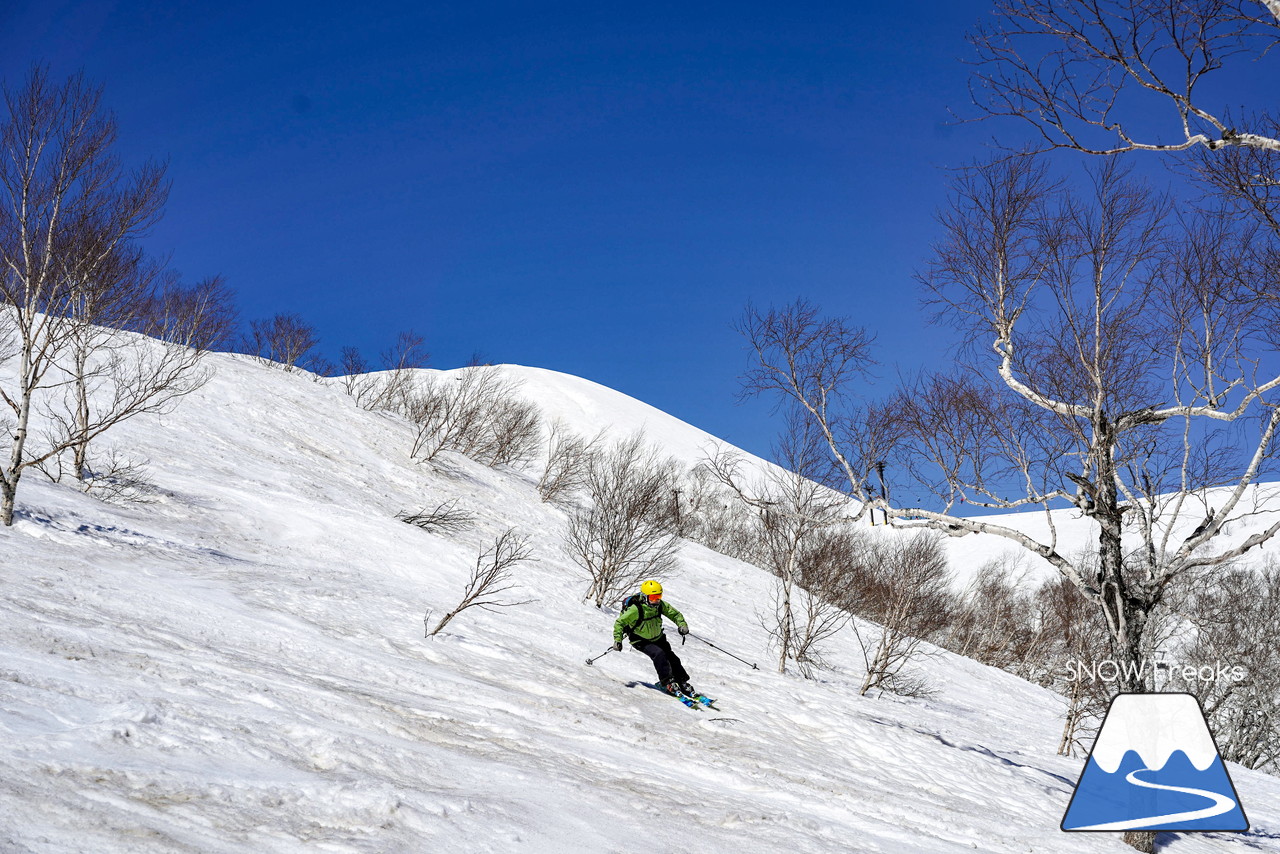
(651, 588)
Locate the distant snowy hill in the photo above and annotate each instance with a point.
(588, 407)
(240, 666)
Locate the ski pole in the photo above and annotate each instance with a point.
(725, 651)
(591, 661)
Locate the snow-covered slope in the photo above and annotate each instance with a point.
(587, 407)
(241, 667)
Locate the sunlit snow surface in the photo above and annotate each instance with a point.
(240, 667)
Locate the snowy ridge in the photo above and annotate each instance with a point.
(588, 407)
(1154, 726)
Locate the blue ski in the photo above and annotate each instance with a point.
(688, 701)
(706, 701)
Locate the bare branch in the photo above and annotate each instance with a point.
(1069, 68)
(445, 518)
(491, 577)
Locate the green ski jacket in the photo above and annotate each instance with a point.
(644, 621)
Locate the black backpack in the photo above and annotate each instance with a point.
(639, 600)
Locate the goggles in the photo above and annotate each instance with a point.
(655, 598)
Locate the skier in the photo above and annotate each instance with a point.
(641, 622)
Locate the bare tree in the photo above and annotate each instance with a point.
(447, 411)
(568, 457)
(391, 389)
(408, 353)
(1126, 75)
(995, 619)
(491, 577)
(1123, 75)
(475, 412)
(353, 366)
(445, 518)
(1072, 636)
(515, 435)
(828, 564)
(1116, 373)
(114, 373)
(715, 517)
(68, 222)
(400, 362)
(202, 316)
(1099, 76)
(1118, 378)
(810, 363)
(901, 584)
(793, 510)
(284, 339)
(1114, 381)
(1237, 638)
(621, 538)
(100, 304)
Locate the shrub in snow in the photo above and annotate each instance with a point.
(621, 537)
(1235, 627)
(491, 577)
(801, 535)
(119, 478)
(444, 518)
(284, 340)
(903, 585)
(389, 389)
(475, 412)
(568, 458)
(995, 618)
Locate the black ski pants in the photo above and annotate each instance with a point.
(665, 660)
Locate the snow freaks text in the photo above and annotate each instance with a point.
(1112, 671)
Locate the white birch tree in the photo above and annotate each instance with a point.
(622, 537)
(1115, 365)
(69, 219)
(1113, 76)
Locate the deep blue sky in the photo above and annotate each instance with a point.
(593, 189)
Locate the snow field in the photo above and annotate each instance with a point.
(240, 667)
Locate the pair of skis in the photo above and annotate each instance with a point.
(697, 701)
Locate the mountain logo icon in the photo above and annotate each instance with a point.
(1155, 766)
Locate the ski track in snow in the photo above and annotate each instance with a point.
(240, 667)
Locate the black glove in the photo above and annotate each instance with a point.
(684, 630)
(617, 646)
